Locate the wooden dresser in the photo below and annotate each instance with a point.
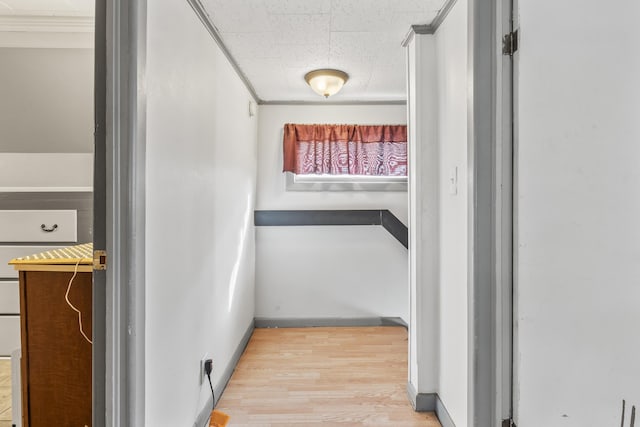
(56, 357)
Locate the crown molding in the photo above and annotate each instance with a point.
(416, 29)
(334, 103)
(429, 28)
(47, 24)
(204, 17)
(442, 14)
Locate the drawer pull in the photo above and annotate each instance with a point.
(49, 230)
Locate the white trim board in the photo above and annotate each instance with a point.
(47, 24)
(44, 40)
(47, 32)
(295, 182)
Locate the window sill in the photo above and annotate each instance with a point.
(344, 183)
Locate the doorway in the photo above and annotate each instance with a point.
(127, 353)
(46, 154)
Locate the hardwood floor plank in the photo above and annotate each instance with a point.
(5, 392)
(346, 376)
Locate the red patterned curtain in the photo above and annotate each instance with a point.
(379, 150)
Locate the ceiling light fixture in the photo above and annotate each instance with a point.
(326, 82)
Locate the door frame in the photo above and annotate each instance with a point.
(119, 203)
(119, 213)
(491, 215)
(98, 333)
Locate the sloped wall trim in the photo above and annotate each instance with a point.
(429, 28)
(383, 217)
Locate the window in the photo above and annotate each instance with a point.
(345, 157)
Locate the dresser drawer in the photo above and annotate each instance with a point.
(9, 298)
(7, 253)
(38, 226)
(9, 334)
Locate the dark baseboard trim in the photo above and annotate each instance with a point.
(443, 414)
(226, 376)
(267, 322)
(429, 402)
(421, 402)
(205, 413)
(383, 217)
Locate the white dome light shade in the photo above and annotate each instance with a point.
(326, 82)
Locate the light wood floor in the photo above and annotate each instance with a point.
(5, 392)
(323, 376)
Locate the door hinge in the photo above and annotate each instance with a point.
(508, 423)
(510, 43)
(99, 260)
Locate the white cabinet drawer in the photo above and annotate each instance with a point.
(9, 334)
(9, 298)
(7, 253)
(38, 226)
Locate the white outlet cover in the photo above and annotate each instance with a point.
(202, 374)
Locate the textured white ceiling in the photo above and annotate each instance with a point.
(275, 42)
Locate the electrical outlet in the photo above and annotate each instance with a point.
(203, 375)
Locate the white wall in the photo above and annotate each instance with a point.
(578, 205)
(200, 189)
(424, 213)
(350, 282)
(438, 212)
(451, 60)
(343, 272)
(46, 100)
(46, 171)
